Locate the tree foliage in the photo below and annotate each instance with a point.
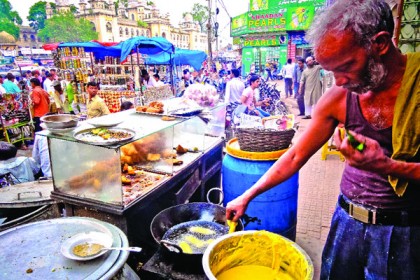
(200, 13)
(73, 9)
(9, 19)
(143, 24)
(66, 28)
(8, 26)
(6, 12)
(38, 14)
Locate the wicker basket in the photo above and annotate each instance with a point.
(264, 140)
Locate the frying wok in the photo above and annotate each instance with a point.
(200, 214)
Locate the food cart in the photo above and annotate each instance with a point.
(128, 181)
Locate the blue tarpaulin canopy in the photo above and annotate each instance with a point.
(147, 46)
(180, 57)
(98, 50)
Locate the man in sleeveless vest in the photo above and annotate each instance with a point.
(375, 230)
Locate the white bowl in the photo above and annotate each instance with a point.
(89, 237)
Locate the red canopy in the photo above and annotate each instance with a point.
(54, 46)
(50, 47)
(106, 44)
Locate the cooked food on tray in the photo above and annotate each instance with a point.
(155, 107)
(104, 136)
(181, 150)
(110, 133)
(168, 118)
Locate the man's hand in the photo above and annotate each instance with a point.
(372, 158)
(236, 208)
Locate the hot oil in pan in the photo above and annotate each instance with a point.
(194, 236)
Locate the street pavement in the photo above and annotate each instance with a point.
(318, 191)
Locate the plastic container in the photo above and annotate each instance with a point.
(274, 210)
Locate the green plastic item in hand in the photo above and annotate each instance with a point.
(354, 143)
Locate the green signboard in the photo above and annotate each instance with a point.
(257, 5)
(247, 60)
(261, 41)
(293, 17)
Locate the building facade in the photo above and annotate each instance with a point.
(28, 38)
(137, 19)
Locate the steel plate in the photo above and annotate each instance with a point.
(86, 136)
(33, 251)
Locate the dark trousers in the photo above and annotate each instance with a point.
(269, 76)
(296, 89)
(288, 87)
(37, 124)
(301, 104)
(355, 250)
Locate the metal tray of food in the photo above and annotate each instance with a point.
(33, 250)
(104, 136)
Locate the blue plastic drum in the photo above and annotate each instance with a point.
(274, 210)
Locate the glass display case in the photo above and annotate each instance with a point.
(118, 173)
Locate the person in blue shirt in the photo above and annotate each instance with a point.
(10, 86)
(41, 155)
(21, 169)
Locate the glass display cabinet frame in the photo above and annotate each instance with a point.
(101, 174)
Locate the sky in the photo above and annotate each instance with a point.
(174, 7)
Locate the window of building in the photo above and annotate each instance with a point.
(147, 33)
(121, 31)
(163, 34)
(132, 32)
(109, 27)
(137, 32)
(132, 17)
(25, 37)
(93, 26)
(126, 31)
(33, 39)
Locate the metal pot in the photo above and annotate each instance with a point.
(253, 247)
(60, 121)
(193, 213)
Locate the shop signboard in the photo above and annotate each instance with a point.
(289, 18)
(261, 41)
(238, 25)
(257, 5)
(247, 60)
(282, 54)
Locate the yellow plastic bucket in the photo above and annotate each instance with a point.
(256, 255)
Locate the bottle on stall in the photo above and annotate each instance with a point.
(74, 52)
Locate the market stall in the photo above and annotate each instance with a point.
(157, 160)
(111, 64)
(15, 118)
